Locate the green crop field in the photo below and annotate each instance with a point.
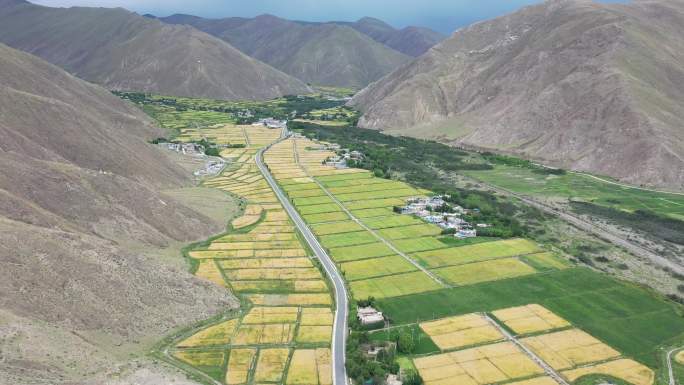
(375, 203)
(353, 253)
(376, 186)
(477, 252)
(421, 230)
(336, 228)
(295, 186)
(347, 239)
(371, 213)
(325, 217)
(306, 193)
(625, 316)
(412, 245)
(484, 271)
(376, 267)
(393, 285)
(546, 261)
(367, 181)
(584, 187)
(379, 194)
(317, 200)
(344, 177)
(318, 209)
(391, 221)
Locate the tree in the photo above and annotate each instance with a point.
(410, 377)
(405, 343)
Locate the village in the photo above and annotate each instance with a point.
(437, 211)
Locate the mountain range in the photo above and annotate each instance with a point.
(121, 50)
(572, 83)
(83, 219)
(333, 54)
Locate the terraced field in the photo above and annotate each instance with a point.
(288, 315)
(381, 253)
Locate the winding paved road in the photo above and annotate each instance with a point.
(341, 299)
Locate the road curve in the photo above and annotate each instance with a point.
(341, 299)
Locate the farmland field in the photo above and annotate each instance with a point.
(393, 285)
(484, 271)
(376, 267)
(478, 252)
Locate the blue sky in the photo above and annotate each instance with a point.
(442, 15)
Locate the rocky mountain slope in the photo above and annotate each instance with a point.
(412, 41)
(577, 84)
(82, 222)
(124, 51)
(317, 53)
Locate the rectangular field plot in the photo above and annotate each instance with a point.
(414, 231)
(291, 299)
(569, 348)
(461, 331)
(210, 362)
(325, 217)
(530, 319)
(393, 285)
(391, 221)
(345, 177)
(376, 267)
(280, 273)
(323, 199)
(336, 228)
(347, 239)
(318, 209)
(239, 365)
(310, 367)
(306, 193)
(372, 213)
(625, 369)
(477, 252)
(484, 271)
(546, 261)
(264, 334)
(377, 185)
(486, 364)
(271, 365)
(266, 263)
(352, 253)
(312, 316)
(381, 194)
(374, 203)
(264, 315)
(219, 334)
(412, 245)
(314, 334)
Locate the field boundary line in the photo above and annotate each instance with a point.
(547, 368)
(375, 234)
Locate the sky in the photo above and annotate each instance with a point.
(442, 15)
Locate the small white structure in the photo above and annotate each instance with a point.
(271, 123)
(368, 315)
(393, 379)
(466, 233)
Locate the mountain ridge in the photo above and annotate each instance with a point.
(121, 50)
(572, 83)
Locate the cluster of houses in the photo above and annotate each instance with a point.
(343, 156)
(185, 148)
(271, 123)
(211, 167)
(437, 211)
(369, 315)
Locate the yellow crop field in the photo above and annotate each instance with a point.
(484, 271)
(394, 285)
(194, 358)
(460, 331)
(264, 334)
(281, 273)
(303, 369)
(628, 370)
(245, 220)
(271, 365)
(239, 365)
(530, 319)
(219, 334)
(314, 334)
(316, 316)
(207, 270)
(294, 252)
(569, 348)
(299, 262)
(481, 365)
(679, 357)
(313, 286)
(323, 364)
(263, 315)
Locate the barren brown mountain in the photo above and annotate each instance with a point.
(82, 224)
(318, 53)
(577, 84)
(122, 50)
